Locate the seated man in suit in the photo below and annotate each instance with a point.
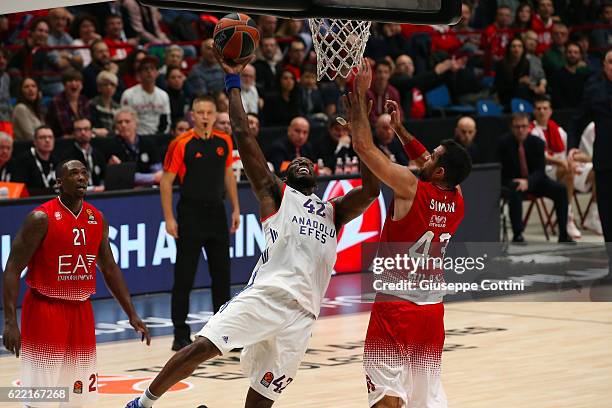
(522, 158)
(294, 145)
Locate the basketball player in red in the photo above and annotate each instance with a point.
(61, 242)
(403, 347)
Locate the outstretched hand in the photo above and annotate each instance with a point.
(396, 118)
(363, 78)
(230, 67)
(140, 327)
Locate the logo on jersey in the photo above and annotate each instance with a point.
(267, 379)
(58, 215)
(365, 228)
(220, 151)
(225, 339)
(438, 221)
(90, 217)
(77, 388)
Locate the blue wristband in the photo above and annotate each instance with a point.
(232, 81)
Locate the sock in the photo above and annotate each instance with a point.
(147, 399)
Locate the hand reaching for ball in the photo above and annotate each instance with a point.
(230, 67)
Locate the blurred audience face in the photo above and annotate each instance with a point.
(58, 19)
(466, 15)
(40, 34)
(247, 76)
(573, 55)
(309, 80)
(608, 65)
(6, 148)
(82, 131)
(542, 111)
(207, 52)
(383, 73)
(503, 18)
(465, 131)
(87, 30)
(222, 102)
(404, 65)
(298, 131)
(606, 14)
(583, 42)
(516, 49)
(530, 38)
(44, 142)
(107, 88)
(29, 89)
(147, 74)
(296, 53)
(287, 81)
(254, 125)
(384, 131)
(176, 79)
(267, 25)
(73, 87)
(204, 115)
(180, 127)
(126, 125)
(524, 14)
(269, 46)
(520, 128)
(560, 34)
(174, 56)
(337, 131)
(223, 123)
(545, 9)
(100, 53)
(295, 26)
(114, 27)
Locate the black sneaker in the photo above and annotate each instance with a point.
(518, 239)
(178, 344)
(567, 241)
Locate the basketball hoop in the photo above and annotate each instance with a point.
(339, 45)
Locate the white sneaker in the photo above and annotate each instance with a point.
(592, 222)
(572, 230)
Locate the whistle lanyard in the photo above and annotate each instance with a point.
(45, 178)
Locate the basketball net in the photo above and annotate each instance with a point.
(339, 45)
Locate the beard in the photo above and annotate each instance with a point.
(301, 182)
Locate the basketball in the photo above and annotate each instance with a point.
(236, 37)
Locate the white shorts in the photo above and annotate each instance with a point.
(580, 180)
(273, 330)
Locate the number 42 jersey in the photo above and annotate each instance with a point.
(300, 249)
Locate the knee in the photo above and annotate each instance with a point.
(200, 350)
(256, 400)
(388, 402)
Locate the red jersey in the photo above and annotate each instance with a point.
(64, 265)
(434, 217)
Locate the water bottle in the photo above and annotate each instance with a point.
(339, 170)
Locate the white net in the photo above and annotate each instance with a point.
(339, 45)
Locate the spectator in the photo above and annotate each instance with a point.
(5, 88)
(267, 29)
(68, 105)
(497, 36)
(469, 38)
(567, 83)
(332, 96)
(554, 58)
(150, 103)
(512, 74)
(27, 114)
(537, 77)
(395, 42)
(381, 91)
(129, 146)
(312, 98)
(295, 57)
(7, 166)
(223, 124)
(601, 38)
(251, 101)
(175, 81)
(206, 77)
(592, 61)
(103, 107)
(119, 45)
(523, 16)
(522, 159)
(294, 28)
(36, 166)
(542, 23)
(465, 133)
(266, 66)
(281, 107)
(144, 21)
(254, 124)
(221, 101)
(336, 144)
(84, 32)
(173, 56)
(83, 151)
(596, 107)
(101, 61)
(294, 145)
(179, 127)
(387, 142)
(58, 22)
(555, 142)
(129, 68)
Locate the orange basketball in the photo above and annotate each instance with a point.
(236, 37)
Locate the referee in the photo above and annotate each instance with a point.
(202, 159)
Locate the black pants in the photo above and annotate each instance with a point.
(199, 226)
(544, 188)
(603, 185)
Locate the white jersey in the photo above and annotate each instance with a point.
(300, 249)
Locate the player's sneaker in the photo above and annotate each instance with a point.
(134, 403)
(572, 230)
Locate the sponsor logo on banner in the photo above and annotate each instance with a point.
(267, 379)
(365, 228)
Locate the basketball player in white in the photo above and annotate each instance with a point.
(272, 317)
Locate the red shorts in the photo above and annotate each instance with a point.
(403, 351)
(58, 347)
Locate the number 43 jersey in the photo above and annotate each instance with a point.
(300, 249)
(64, 265)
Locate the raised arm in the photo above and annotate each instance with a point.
(396, 176)
(26, 242)
(407, 139)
